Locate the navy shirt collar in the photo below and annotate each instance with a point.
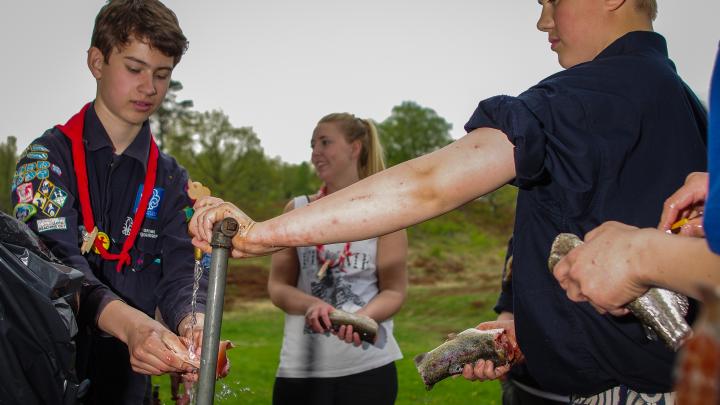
(96, 138)
(634, 42)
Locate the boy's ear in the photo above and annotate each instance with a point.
(95, 61)
(612, 5)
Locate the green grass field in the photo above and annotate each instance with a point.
(429, 314)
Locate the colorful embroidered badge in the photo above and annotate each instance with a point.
(55, 169)
(51, 224)
(104, 239)
(58, 196)
(51, 209)
(25, 192)
(23, 212)
(39, 200)
(46, 187)
(38, 148)
(36, 155)
(43, 174)
(153, 208)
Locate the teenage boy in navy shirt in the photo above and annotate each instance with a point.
(608, 138)
(102, 169)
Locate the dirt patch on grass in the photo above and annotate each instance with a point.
(245, 283)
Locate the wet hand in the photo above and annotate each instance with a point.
(604, 270)
(208, 211)
(154, 350)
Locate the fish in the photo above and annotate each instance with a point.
(661, 311)
(365, 326)
(697, 370)
(466, 347)
(223, 363)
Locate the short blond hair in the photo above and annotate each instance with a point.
(648, 6)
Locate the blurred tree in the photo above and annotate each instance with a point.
(298, 179)
(170, 116)
(228, 160)
(8, 158)
(411, 131)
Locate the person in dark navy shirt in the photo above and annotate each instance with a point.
(608, 138)
(619, 262)
(107, 202)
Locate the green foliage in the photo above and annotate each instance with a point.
(170, 116)
(411, 131)
(8, 157)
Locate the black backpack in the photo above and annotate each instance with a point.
(38, 303)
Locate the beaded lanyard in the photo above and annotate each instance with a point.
(325, 264)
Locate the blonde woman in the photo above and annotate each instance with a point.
(365, 277)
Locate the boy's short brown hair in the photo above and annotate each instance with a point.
(146, 20)
(649, 6)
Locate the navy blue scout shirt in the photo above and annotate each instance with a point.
(609, 139)
(46, 197)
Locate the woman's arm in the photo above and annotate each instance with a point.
(403, 195)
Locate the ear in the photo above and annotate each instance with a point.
(96, 62)
(356, 148)
(613, 5)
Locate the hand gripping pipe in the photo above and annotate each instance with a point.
(221, 243)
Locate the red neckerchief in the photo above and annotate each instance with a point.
(73, 129)
(320, 249)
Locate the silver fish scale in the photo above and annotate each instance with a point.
(466, 347)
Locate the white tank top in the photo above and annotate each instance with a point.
(349, 287)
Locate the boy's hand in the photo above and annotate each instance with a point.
(484, 370)
(155, 350)
(687, 202)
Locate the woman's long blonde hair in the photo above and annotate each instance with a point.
(371, 154)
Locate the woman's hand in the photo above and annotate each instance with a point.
(317, 316)
(687, 203)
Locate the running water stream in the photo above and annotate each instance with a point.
(193, 302)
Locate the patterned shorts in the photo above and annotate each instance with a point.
(624, 396)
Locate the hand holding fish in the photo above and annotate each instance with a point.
(473, 353)
(317, 316)
(484, 369)
(605, 270)
(682, 211)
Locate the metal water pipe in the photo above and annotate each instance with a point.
(221, 243)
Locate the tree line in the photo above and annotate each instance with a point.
(231, 161)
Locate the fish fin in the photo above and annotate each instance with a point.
(451, 336)
(429, 387)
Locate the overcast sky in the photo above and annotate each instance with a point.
(280, 65)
